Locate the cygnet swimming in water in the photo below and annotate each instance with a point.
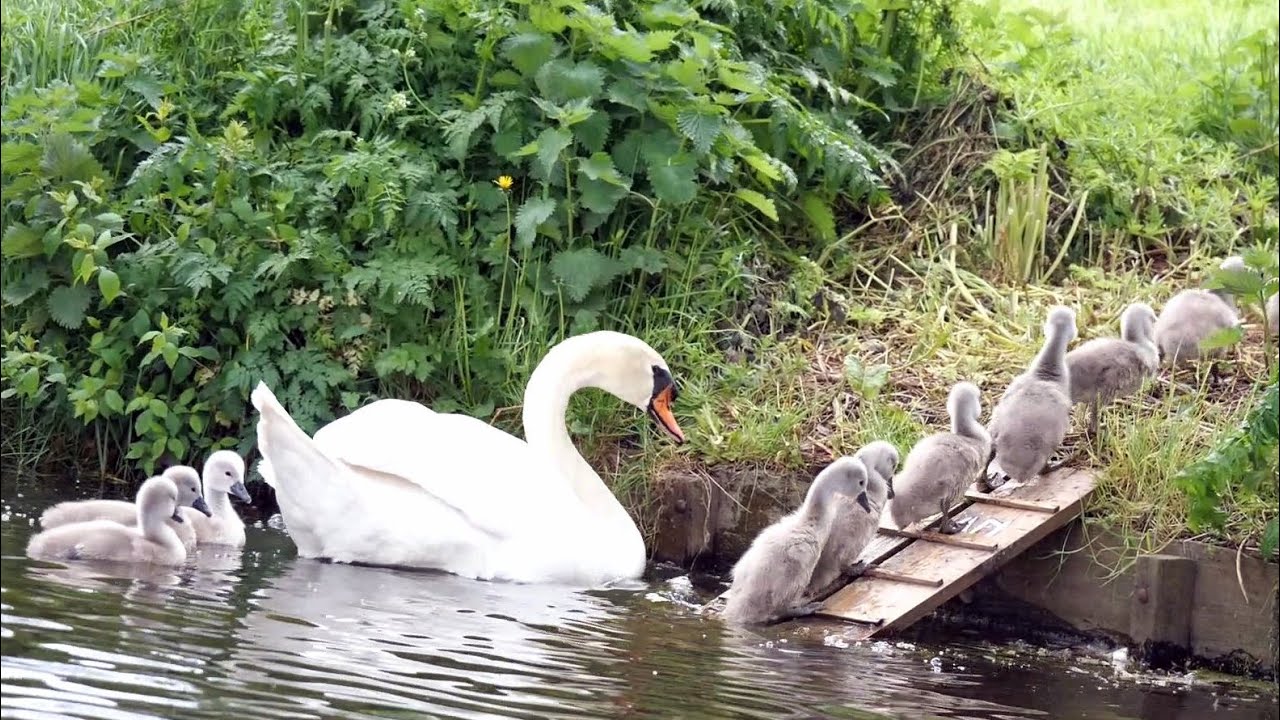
(223, 478)
(1193, 316)
(1031, 419)
(770, 579)
(151, 541)
(1103, 369)
(184, 478)
(856, 521)
(941, 466)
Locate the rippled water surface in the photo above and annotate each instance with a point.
(264, 634)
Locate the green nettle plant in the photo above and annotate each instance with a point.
(413, 198)
(1245, 462)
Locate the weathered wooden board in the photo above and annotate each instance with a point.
(882, 602)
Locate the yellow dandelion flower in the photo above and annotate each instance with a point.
(505, 182)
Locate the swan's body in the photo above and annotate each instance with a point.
(151, 541)
(1103, 369)
(1031, 419)
(770, 578)
(1192, 316)
(395, 483)
(223, 477)
(185, 480)
(855, 523)
(940, 466)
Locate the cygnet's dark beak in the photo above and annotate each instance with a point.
(177, 515)
(241, 493)
(200, 505)
(890, 495)
(862, 500)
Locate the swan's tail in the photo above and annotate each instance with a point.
(287, 451)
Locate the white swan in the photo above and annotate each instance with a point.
(395, 483)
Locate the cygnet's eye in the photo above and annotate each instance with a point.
(227, 473)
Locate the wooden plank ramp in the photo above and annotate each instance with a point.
(912, 573)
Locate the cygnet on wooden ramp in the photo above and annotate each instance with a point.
(1192, 316)
(184, 478)
(856, 521)
(151, 541)
(941, 466)
(1031, 419)
(1103, 369)
(770, 579)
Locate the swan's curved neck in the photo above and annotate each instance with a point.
(152, 525)
(968, 426)
(570, 367)
(219, 502)
(1051, 362)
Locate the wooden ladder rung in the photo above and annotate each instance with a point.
(941, 539)
(883, 574)
(1012, 503)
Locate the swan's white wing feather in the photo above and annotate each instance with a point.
(492, 479)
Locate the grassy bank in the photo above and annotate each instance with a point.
(794, 207)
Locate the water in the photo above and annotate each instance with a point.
(264, 634)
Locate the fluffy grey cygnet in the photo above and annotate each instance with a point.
(856, 522)
(184, 478)
(770, 579)
(1031, 419)
(1104, 369)
(223, 478)
(1192, 316)
(151, 541)
(942, 465)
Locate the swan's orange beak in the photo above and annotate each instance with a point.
(660, 409)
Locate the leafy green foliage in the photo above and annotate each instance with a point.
(308, 195)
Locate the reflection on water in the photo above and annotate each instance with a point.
(263, 634)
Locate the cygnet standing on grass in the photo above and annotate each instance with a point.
(183, 477)
(1103, 369)
(1031, 419)
(941, 466)
(1192, 316)
(151, 541)
(770, 579)
(856, 522)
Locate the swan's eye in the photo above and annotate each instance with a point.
(227, 473)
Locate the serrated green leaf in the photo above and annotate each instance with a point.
(20, 157)
(1226, 337)
(599, 196)
(531, 214)
(69, 159)
(593, 132)
(818, 210)
(529, 51)
(551, 142)
(600, 167)
(864, 380)
(1271, 538)
(758, 201)
(21, 241)
(674, 181)
(108, 284)
(702, 127)
(659, 40)
(645, 259)
(763, 165)
(629, 92)
(67, 305)
(627, 46)
(583, 270)
(562, 80)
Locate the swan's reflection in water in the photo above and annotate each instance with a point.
(260, 633)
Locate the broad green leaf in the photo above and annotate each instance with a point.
(561, 80)
(628, 46)
(599, 196)
(108, 284)
(758, 201)
(593, 132)
(600, 167)
(1226, 337)
(583, 270)
(818, 210)
(21, 289)
(866, 381)
(531, 214)
(20, 241)
(673, 181)
(644, 259)
(69, 159)
(529, 51)
(659, 40)
(702, 127)
(628, 91)
(111, 398)
(67, 305)
(687, 72)
(551, 142)
(1270, 538)
(20, 157)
